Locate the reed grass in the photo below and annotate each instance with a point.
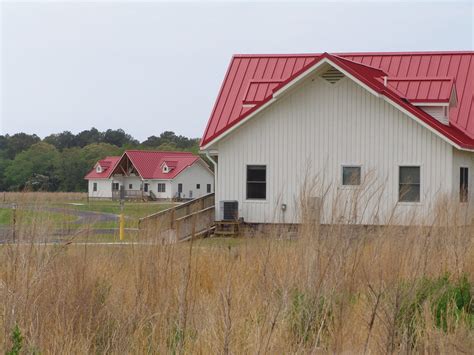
(331, 289)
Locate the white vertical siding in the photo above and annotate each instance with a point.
(190, 177)
(104, 188)
(315, 130)
(153, 186)
(465, 160)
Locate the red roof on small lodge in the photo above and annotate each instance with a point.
(148, 164)
(412, 77)
(106, 165)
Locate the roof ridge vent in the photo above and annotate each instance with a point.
(332, 75)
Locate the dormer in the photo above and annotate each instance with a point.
(434, 95)
(98, 169)
(168, 165)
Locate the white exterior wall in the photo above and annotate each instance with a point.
(438, 112)
(195, 174)
(104, 188)
(153, 186)
(465, 160)
(312, 132)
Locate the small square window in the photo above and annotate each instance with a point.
(351, 175)
(198, 186)
(409, 189)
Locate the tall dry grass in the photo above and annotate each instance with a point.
(332, 289)
(41, 197)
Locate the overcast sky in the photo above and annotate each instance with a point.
(147, 67)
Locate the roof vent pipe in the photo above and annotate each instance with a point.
(385, 79)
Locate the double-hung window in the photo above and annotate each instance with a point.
(256, 182)
(409, 189)
(161, 187)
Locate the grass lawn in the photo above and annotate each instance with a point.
(131, 209)
(30, 216)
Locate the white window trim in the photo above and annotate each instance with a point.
(258, 200)
(408, 203)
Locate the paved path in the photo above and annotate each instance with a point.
(83, 218)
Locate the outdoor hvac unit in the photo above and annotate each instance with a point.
(229, 210)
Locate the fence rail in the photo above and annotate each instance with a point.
(187, 219)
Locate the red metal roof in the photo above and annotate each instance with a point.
(106, 164)
(148, 164)
(423, 89)
(412, 77)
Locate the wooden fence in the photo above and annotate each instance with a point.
(180, 222)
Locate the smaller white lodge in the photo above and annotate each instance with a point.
(150, 175)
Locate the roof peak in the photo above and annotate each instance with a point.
(289, 55)
(160, 151)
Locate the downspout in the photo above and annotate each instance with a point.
(215, 182)
(215, 168)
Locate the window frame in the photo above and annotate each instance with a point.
(94, 187)
(198, 186)
(130, 186)
(350, 186)
(420, 201)
(209, 188)
(253, 199)
(463, 196)
(163, 185)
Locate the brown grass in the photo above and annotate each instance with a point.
(332, 289)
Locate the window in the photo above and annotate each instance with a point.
(351, 175)
(161, 187)
(145, 187)
(98, 169)
(130, 186)
(94, 186)
(198, 186)
(115, 186)
(180, 188)
(208, 188)
(409, 184)
(464, 185)
(256, 182)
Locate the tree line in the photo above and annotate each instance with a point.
(60, 161)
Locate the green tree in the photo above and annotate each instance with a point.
(71, 168)
(61, 140)
(19, 142)
(35, 168)
(89, 137)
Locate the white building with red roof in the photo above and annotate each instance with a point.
(394, 129)
(154, 174)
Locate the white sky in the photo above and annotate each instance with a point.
(151, 66)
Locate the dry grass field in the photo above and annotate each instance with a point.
(331, 289)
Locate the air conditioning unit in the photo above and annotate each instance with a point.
(229, 210)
